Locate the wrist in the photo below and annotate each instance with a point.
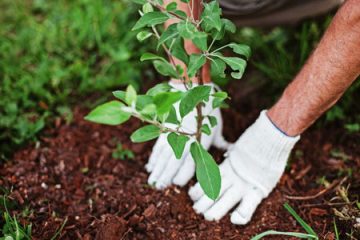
(281, 118)
(270, 137)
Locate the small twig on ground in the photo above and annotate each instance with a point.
(303, 172)
(322, 192)
(126, 233)
(327, 204)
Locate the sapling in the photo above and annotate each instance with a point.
(159, 106)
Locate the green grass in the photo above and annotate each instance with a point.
(53, 51)
(310, 233)
(11, 228)
(336, 230)
(122, 153)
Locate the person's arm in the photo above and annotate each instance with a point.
(258, 159)
(331, 69)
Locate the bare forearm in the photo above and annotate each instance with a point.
(330, 70)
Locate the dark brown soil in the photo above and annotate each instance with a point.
(70, 174)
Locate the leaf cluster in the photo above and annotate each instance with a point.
(156, 108)
(203, 33)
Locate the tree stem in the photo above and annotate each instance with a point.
(200, 116)
(195, 16)
(159, 125)
(197, 6)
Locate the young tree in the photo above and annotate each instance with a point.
(162, 107)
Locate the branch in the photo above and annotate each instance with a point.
(200, 116)
(171, 58)
(159, 125)
(322, 192)
(161, 8)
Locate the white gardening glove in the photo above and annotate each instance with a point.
(165, 169)
(251, 170)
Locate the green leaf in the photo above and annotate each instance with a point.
(218, 35)
(220, 94)
(218, 67)
(130, 95)
(158, 88)
(228, 25)
(180, 13)
(241, 49)
(142, 101)
(119, 94)
(212, 121)
(192, 98)
(211, 16)
(165, 69)
(185, 1)
(290, 234)
(207, 171)
(141, 36)
(165, 100)
(172, 117)
(149, 109)
(236, 64)
(201, 42)
(306, 226)
(145, 133)
(151, 56)
(109, 113)
(162, 118)
(177, 143)
(206, 129)
(171, 6)
(147, 7)
(169, 34)
(188, 31)
(180, 69)
(150, 19)
(195, 63)
(178, 50)
(219, 98)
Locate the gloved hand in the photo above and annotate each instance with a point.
(165, 169)
(251, 170)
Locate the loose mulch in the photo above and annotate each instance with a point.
(70, 175)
